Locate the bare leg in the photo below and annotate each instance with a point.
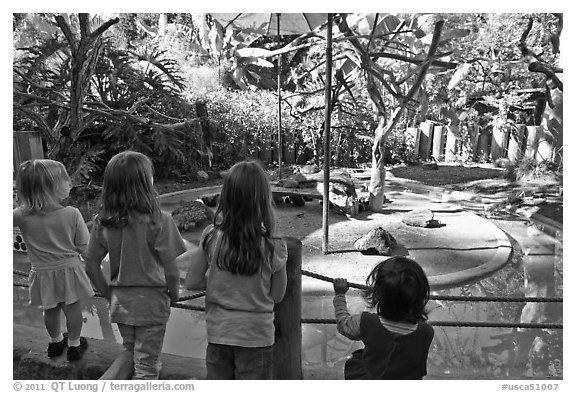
(52, 321)
(74, 321)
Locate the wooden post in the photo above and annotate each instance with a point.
(474, 138)
(26, 145)
(425, 141)
(506, 142)
(437, 142)
(497, 147)
(484, 143)
(287, 360)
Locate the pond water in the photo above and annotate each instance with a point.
(535, 269)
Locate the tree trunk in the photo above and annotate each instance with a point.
(378, 171)
(85, 52)
(553, 123)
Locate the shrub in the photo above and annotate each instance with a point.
(400, 147)
(191, 214)
(530, 169)
(247, 124)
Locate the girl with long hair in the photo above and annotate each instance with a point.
(243, 267)
(143, 243)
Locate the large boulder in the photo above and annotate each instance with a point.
(297, 180)
(299, 177)
(288, 183)
(309, 169)
(377, 240)
(342, 194)
(202, 175)
(420, 218)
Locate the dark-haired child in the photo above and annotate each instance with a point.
(396, 338)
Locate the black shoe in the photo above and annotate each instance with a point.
(75, 353)
(56, 349)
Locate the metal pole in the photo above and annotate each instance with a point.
(279, 101)
(327, 99)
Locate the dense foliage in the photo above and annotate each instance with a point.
(493, 85)
(145, 75)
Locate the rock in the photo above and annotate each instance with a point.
(308, 183)
(309, 169)
(298, 177)
(377, 240)
(343, 193)
(297, 200)
(339, 189)
(502, 163)
(202, 175)
(288, 183)
(419, 218)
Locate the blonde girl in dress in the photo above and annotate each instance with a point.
(55, 237)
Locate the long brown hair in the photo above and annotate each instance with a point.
(245, 215)
(128, 189)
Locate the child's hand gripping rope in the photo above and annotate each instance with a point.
(340, 286)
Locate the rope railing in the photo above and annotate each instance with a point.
(20, 273)
(363, 287)
(360, 286)
(524, 325)
(453, 298)
(191, 297)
